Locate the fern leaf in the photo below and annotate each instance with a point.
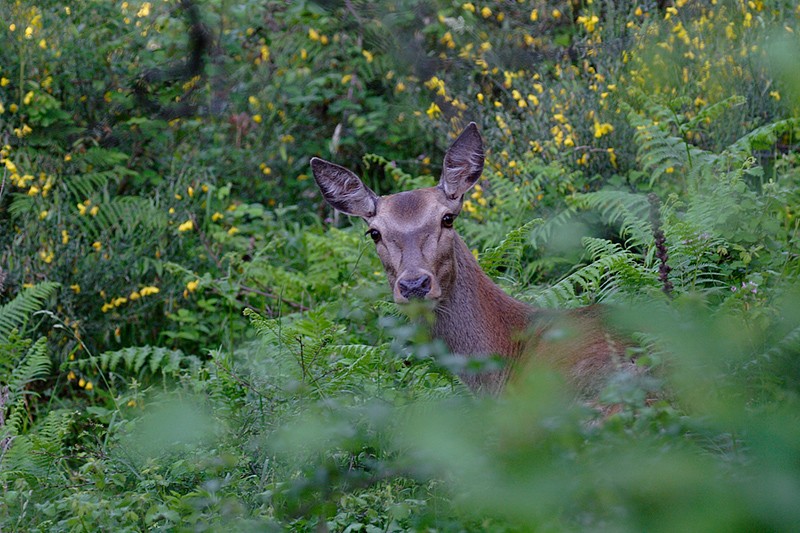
(629, 211)
(35, 365)
(507, 253)
(138, 359)
(16, 313)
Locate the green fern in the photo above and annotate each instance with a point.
(35, 454)
(33, 366)
(141, 360)
(583, 286)
(629, 212)
(506, 255)
(16, 313)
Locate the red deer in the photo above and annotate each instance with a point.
(425, 258)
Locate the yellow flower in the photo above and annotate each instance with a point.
(612, 156)
(89, 385)
(486, 12)
(190, 191)
(27, 98)
(589, 22)
(94, 210)
(556, 14)
(147, 291)
(233, 231)
(313, 34)
(346, 79)
(192, 285)
(433, 111)
(468, 6)
(131, 403)
(217, 216)
(367, 55)
(82, 383)
(776, 95)
(186, 226)
(81, 209)
(43, 44)
(71, 375)
(145, 10)
(33, 191)
(134, 296)
(97, 246)
(75, 288)
(602, 129)
(256, 119)
(534, 15)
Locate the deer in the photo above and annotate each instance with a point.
(425, 259)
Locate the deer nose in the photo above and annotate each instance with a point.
(415, 288)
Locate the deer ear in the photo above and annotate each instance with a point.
(463, 163)
(343, 189)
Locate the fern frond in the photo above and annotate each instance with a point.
(125, 216)
(764, 137)
(506, 255)
(623, 209)
(34, 365)
(581, 286)
(542, 233)
(711, 113)
(140, 360)
(15, 314)
(37, 454)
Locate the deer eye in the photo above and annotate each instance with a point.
(447, 221)
(375, 234)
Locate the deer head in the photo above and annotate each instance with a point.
(413, 230)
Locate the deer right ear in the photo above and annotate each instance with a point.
(343, 189)
(463, 163)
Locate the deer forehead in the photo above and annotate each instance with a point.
(411, 210)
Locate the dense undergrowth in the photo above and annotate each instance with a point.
(191, 340)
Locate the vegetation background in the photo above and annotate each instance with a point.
(191, 340)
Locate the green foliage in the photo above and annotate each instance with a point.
(16, 313)
(191, 339)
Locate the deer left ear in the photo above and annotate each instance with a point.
(343, 189)
(463, 163)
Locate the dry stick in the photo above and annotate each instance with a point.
(3, 185)
(661, 244)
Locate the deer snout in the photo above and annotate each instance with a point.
(418, 287)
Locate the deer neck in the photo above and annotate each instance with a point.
(476, 318)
